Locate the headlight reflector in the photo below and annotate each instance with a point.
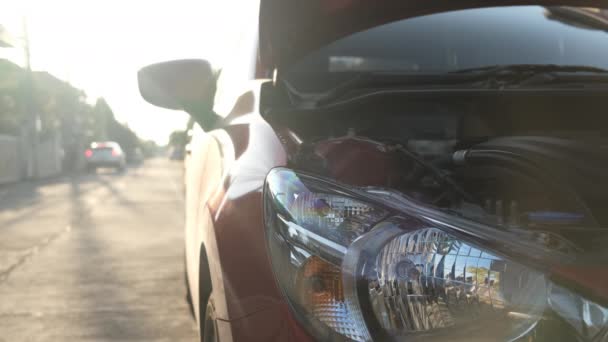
(425, 283)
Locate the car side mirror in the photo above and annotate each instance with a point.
(187, 85)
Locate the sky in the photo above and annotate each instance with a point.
(98, 46)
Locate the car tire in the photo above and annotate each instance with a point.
(208, 326)
(188, 293)
(206, 312)
(91, 169)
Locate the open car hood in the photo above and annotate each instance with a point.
(289, 29)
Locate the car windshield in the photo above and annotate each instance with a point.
(459, 40)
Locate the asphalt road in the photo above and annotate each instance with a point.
(95, 258)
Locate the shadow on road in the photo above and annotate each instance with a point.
(114, 273)
(27, 197)
(122, 274)
(106, 297)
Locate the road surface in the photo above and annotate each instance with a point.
(95, 258)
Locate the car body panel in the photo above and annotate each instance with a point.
(228, 167)
(290, 29)
(274, 324)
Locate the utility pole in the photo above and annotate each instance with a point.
(30, 104)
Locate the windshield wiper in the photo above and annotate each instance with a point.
(523, 75)
(487, 77)
(531, 68)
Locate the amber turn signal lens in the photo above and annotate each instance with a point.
(321, 282)
(322, 294)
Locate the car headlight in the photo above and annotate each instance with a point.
(355, 269)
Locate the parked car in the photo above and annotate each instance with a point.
(105, 154)
(398, 171)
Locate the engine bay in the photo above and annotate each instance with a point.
(487, 169)
(518, 182)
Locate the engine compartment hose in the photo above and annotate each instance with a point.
(442, 177)
(513, 160)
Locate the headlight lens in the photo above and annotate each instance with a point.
(426, 283)
(355, 270)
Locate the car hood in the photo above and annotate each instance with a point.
(289, 29)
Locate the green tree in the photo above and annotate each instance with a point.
(178, 138)
(149, 148)
(106, 127)
(12, 99)
(62, 110)
(102, 116)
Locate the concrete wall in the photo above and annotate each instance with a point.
(16, 162)
(10, 162)
(49, 158)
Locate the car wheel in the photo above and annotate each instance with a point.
(206, 311)
(208, 325)
(188, 293)
(91, 169)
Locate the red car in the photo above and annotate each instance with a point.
(399, 171)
